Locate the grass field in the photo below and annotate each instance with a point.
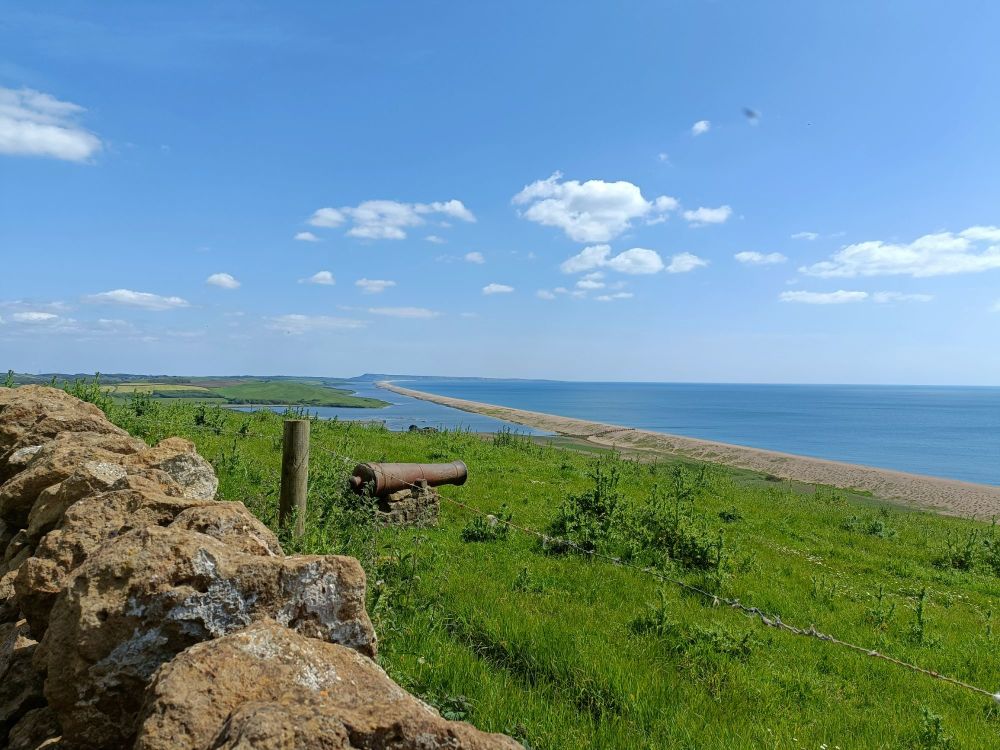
(564, 651)
(256, 391)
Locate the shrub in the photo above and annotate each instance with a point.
(489, 528)
(587, 518)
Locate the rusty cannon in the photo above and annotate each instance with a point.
(405, 493)
(383, 480)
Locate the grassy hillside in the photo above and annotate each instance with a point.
(566, 651)
(281, 391)
(290, 392)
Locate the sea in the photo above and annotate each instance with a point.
(944, 431)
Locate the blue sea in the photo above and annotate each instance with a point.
(943, 431)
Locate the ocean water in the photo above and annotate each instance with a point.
(943, 431)
(404, 411)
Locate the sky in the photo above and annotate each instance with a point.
(701, 191)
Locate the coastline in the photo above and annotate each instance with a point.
(947, 496)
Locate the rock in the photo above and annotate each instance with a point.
(18, 550)
(9, 610)
(91, 478)
(37, 729)
(32, 415)
(85, 526)
(54, 462)
(232, 524)
(268, 687)
(413, 506)
(178, 458)
(20, 684)
(150, 593)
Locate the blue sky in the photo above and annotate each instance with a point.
(568, 190)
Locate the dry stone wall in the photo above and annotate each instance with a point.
(138, 611)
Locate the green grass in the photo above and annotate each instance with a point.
(256, 391)
(564, 651)
(291, 392)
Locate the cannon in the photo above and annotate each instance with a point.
(383, 480)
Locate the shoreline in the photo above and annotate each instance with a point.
(947, 496)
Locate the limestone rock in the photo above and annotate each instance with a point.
(91, 478)
(232, 524)
(54, 462)
(268, 687)
(20, 684)
(33, 415)
(179, 459)
(8, 602)
(17, 551)
(150, 593)
(37, 729)
(413, 506)
(85, 526)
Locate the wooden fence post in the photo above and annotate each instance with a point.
(294, 473)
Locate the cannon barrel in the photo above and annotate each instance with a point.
(383, 479)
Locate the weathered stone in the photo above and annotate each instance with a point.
(151, 593)
(54, 462)
(179, 459)
(85, 526)
(268, 687)
(413, 506)
(17, 551)
(9, 610)
(37, 729)
(20, 684)
(91, 478)
(232, 524)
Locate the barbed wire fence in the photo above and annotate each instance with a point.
(715, 600)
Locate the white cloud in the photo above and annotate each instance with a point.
(701, 127)
(684, 262)
(613, 297)
(324, 278)
(805, 236)
(701, 216)
(823, 298)
(638, 260)
(940, 254)
(753, 258)
(474, 257)
(327, 217)
(887, 297)
(37, 124)
(592, 211)
(497, 289)
(374, 286)
(299, 324)
(34, 317)
(435, 239)
(977, 234)
(143, 300)
(404, 312)
(996, 306)
(225, 280)
(387, 220)
(663, 156)
(544, 294)
(306, 237)
(590, 281)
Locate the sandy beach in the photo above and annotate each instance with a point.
(948, 496)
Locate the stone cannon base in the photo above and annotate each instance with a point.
(410, 507)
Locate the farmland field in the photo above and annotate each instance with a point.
(565, 650)
(282, 392)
